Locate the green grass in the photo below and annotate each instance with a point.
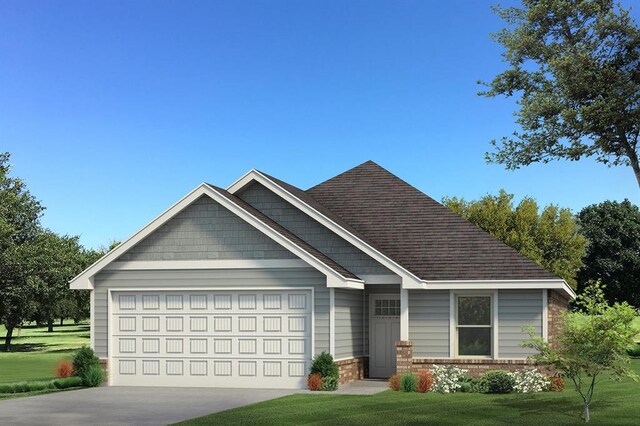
(613, 404)
(35, 352)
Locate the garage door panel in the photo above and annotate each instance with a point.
(211, 338)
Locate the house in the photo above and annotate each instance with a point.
(242, 287)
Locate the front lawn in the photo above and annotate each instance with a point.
(35, 352)
(613, 404)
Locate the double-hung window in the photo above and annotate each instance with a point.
(474, 325)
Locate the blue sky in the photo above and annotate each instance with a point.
(114, 110)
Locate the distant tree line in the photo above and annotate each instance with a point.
(36, 264)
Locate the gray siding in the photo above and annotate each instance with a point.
(156, 280)
(206, 230)
(310, 230)
(429, 323)
(517, 308)
(377, 289)
(349, 329)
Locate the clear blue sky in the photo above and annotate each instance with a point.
(114, 110)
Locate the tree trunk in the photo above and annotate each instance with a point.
(585, 414)
(50, 326)
(7, 339)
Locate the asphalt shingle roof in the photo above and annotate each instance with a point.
(413, 229)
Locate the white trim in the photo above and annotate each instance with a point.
(332, 321)
(404, 314)
(452, 323)
(206, 264)
(324, 220)
(499, 285)
(381, 279)
(92, 333)
(545, 315)
(496, 320)
(111, 367)
(83, 280)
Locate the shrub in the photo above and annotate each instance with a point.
(329, 383)
(425, 381)
(634, 351)
(394, 382)
(527, 381)
(408, 382)
(93, 377)
(22, 387)
(447, 378)
(83, 360)
(324, 365)
(556, 384)
(64, 369)
(499, 381)
(314, 382)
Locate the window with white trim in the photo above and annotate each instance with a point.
(474, 325)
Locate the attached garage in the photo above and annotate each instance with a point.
(217, 338)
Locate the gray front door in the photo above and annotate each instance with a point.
(384, 331)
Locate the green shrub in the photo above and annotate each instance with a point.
(634, 351)
(324, 365)
(329, 383)
(22, 387)
(83, 360)
(408, 382)
(93, 377)
(499, 381)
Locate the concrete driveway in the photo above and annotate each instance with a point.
(128, 405)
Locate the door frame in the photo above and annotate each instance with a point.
(372, 297)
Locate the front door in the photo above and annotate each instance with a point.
(384, 331)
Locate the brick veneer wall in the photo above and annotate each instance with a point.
(353, 369)
(404, 356)
(557, 303)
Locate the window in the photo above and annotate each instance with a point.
(474, 325)
(387, 308)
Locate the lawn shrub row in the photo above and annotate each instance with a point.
(21, 387)
(450, 379)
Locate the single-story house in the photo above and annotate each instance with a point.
(242, 287)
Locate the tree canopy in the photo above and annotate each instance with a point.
(549, 237)
(613, 254)
(574, 66)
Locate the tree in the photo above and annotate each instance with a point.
(574, 66)
(591, 343)
(550, 238)
(613, 254)
(19, 223)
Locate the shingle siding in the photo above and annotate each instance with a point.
(206, 230)
(210, 279)
(349, 315)
(310, 230)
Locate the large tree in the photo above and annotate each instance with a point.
(574, 66)
(613, 254)
(19, 226)
(549, 237)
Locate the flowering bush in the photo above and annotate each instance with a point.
(447, 378)
(394, 382)
(425, 381)
(527, 381)
(314, 382)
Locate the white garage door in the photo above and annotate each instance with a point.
(255, 339)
